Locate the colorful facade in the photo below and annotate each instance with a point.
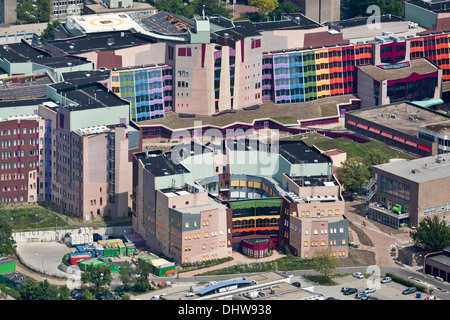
(148, 89)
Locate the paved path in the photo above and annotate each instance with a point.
(382, 240)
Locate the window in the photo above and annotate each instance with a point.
(429, 210)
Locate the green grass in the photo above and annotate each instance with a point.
(30, 217)
(360, 149)
(285, 120)
(309, 138)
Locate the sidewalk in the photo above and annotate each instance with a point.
(237, 259)
(383, 237)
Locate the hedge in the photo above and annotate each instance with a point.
(405, 282)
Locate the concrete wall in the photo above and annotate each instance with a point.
(58, 234)
(426, 19)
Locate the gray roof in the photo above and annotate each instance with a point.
(420, 170)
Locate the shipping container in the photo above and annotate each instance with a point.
(7, 265)
(122, 249)
(77, 257)
(84, 265)
(110, 241)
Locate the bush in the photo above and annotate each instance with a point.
(405, 282)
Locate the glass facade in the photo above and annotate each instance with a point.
(395, 188)
(149, 91)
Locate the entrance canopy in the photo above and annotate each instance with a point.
(428, 103)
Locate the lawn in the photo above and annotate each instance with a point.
(360, 149)
(30, 217)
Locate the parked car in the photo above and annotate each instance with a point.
(360, 295)
(189, 294)
(373, 298)
(155, 298)
(369, 290)
(409, 290)
(386, 280)
(350, 291)
(358, 275)
(343, 289)
(297, 284)
(366, 297)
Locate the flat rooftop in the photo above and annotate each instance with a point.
(419, 66)
(161, 164)
(102, 41)
(420, 170)
(356, 22)
(299, 152)
(87, 96)
(289, 114)
(238, 30)
(408, 117)
(22, 102)
(80, 77)
(210, 205)
(437, 7)
(22, 52)
(440, 127)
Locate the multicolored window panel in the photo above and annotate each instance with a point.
(149, 91)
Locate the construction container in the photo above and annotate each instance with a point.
(162, 267)
(131, 249)
(115, 267)
(7, 265)
(110, 241)
(122, 249)
(77, 257)
(109, 251)
(85, 265)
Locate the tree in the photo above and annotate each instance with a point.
(176, 7)
(211, 7)
(6, 239)
(97, 275)
(432, 234)
(142, 271)
(44, 290)
(373, 158)
(87, 295)
(29, 11)
(284, 7)
(324, 262)
(125, 275)
(353, 174)
(48, 33)
(264, 6)
(43, 10)
(358, 8)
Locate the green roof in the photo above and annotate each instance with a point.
(255, 203)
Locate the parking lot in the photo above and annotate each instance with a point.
(384, 291)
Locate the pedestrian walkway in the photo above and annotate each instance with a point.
(237, 259)
(383, 240)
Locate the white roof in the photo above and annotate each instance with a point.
(420, 170)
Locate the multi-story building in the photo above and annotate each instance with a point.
(91, 144)
(248, 197)
(404, 125)
(406, 191)
(148, 88)
(60, 10)
(22, 164)
(321, 10)
(8, 13)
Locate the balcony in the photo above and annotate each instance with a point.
(392, 218)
